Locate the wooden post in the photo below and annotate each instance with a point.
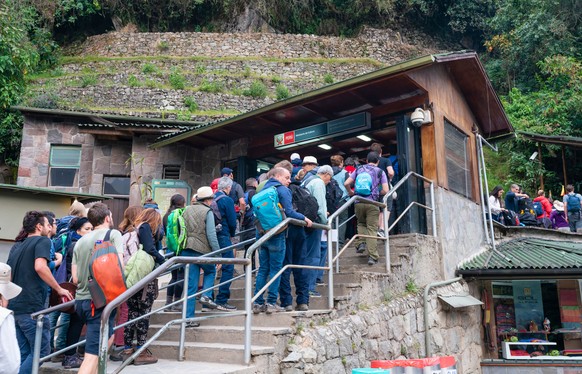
(541, 172)
(564, 167)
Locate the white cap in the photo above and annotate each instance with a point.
(204, 193)
(8, 289)
(310, 160)
(295, 156)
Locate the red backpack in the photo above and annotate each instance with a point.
(106, 278)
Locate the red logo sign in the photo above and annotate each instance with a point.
(290, 137)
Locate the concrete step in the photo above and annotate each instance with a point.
(163, 366)
(210, 352)
(263, 336)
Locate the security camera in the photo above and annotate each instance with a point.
(417, 117)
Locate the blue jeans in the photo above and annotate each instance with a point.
(294, 254)
(322, 260)
(25, 334)
(62, 331)
(312, 256)
(574, 221)
(227, 271)
(194, 275)
(271, 257)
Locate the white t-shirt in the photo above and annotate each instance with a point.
(9, 351)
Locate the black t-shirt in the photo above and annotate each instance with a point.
(383, 164)
(21, 259)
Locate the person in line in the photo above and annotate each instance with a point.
(77, 209)
(558, 217)
(127, 229)
(296, 162)
(512, 197)
(147, 225)
(248, 224)
(341, 175)
(102, 220)
(385, 165)
(229, 224)
(309, 169)
(236, 193)
(546, 205)
(9, 351)
(201, 235)
(174, 290)
(572, 203)
(367, 214)
(496, 204)
(272, 252)
(28, 260)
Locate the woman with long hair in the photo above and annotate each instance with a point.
(147, 224)
(496, 203)
(174, 290)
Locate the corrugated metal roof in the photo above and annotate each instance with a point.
(137, 125)
(38, 190)
(527, 254)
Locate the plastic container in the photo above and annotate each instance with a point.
(370, 371)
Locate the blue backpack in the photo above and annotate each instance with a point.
(363, 185)
(267, 209)
(538, 208)
(573, 203)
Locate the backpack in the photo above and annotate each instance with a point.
(333, 196)
(61, 242)
(573, 203)
(267, 209)
(106, 277)
(130, 245)
(304, 202)
(216, 212)
(363, 185)
(528, 219)
(176, 231)
(510, 218)
(538, 209)
(525, 206)
(249, 211)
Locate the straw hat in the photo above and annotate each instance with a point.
(559, 205)
(8, 289)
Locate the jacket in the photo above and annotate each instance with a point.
(200, 228)
(226, 209)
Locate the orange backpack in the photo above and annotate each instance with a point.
(106, 278)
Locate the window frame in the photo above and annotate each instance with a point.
(458, 162)
(115, 176)
(55, 164)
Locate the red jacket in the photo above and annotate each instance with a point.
(546, 206)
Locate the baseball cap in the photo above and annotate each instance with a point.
(226, 171)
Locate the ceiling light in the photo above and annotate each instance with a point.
(325, 146)
(364, 138)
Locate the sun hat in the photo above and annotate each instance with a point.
(204, 193)
(559, 205)
(310, 160)
(8, 289)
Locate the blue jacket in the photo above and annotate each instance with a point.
(285, 199)
(226, 209)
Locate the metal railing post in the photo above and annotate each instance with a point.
(432, 205)
(103, 345)
(387, 241)
(181, 349)
(330, 266)
(337, 249)
(249, 312)
(37, 342)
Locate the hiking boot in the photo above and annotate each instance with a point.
(372, 261)
(226, 307)
(259, 308)
(361, 248)
(289, 308)
(192, 324)
(58, 358)
(302, 308)
(145, 358)
(207, 302)
(115, 354)
(314, 294)
(126, 353)
(72, 362)
(274, 308)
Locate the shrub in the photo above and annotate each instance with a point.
(149, 68)
(163, 46)
(132, 81)
(88, 80)
(257, 90)
(177, 79)
(150, 83)
(247, 72)
(200, 69)
(276, 79)
(211, 86)
(45, 101)
(328, 78)
(190, 103)
(281, 91)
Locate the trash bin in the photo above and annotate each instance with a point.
(429, 365)
(370, 371)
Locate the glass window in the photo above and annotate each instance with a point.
(117, 186)
(458, 161)
(64, 165)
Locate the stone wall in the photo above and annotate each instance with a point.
(387, 331)
(382, 45)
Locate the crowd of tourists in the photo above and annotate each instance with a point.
(54, 260)
(519, 209)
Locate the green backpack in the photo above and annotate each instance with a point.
(176, 231)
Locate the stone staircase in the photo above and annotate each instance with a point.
(217, 345)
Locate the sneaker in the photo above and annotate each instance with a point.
(361, 248)
(115, 354)
(126, 353)
(145, 358)
(72, 362)
(371, 261)
(226, 307)
(192, 324)
(176, 308)
(259, 308)
(302, 308)
(58, 358)
(319, 282)
(381, 233)
(274, 308)
(289, 308)
(207, 302)
(314, 294)
(206, 309)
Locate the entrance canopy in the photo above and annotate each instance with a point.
(384, 94)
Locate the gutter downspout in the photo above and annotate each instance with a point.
(427, 349)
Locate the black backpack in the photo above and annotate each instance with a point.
(333, 196)
(216, 212)
(526, 206)
(528, 219)
(510, 218)
(304, 202)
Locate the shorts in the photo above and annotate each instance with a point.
(93, 322)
